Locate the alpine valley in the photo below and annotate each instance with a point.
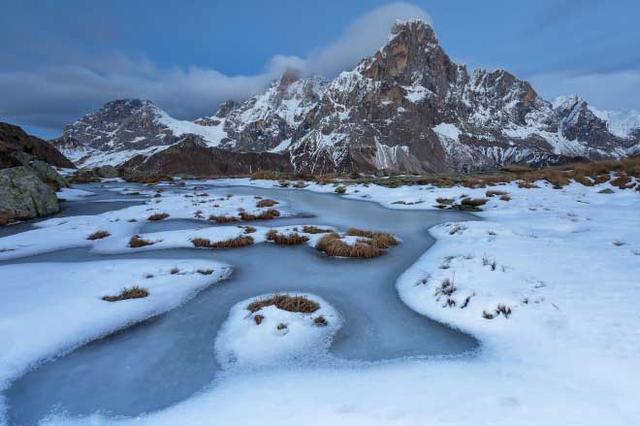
(408, 108)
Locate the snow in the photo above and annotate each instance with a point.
(183, 238)
(42, 316)
(566, 264)
(73, 231)
(621, 124)
(448, 130)
(212, 135)
(416, 93)
(387, 157)
(243, 343)
(282, 146)
(73, 194)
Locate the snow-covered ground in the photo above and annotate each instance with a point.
(277, 336)
(42, 316)
(548, 281)
(74, 231)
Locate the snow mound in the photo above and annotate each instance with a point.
(271, 335)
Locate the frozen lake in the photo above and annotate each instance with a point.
(169, 358)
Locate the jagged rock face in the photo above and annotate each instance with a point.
(193, 158)
(18, 148)
(266, 122)
(407, 108)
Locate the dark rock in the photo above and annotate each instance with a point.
(17, 148)
(192, 158)
(24, 196)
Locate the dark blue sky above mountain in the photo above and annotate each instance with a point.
(62, 59)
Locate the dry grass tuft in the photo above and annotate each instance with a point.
(241, 241)
(248, 229)
(285, 302)
(137, 241)
(98, 235)
(258, 319)
(265, 215)
(320, 321)
(222, 219)
(310, 229)
(340, 189)
(158, 216)
(379, 239)
(134, 292)
(493, 193)
(266, 202)
(292, 239)
(332, 245)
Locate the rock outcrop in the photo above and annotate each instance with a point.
(17, 148)
(23, 195)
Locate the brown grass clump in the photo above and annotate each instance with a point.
(222, 219)
(622, 181)
(98, 235)
(320, 321)
(134, 292)
(249, 229)
(310, 229)
(285, 302)
(332, 245)
(158, 216)
(525, 184)
(266, 202)
(493, 193)
(265, 215)
(292, 239)
(258, 319)
(379, 239)
(445, 201)
(241, 241)
(505, 197)
(470, 204)
(340, 189)
(136, 241)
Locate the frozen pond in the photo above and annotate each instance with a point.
(169, 358)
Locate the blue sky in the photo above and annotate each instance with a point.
(62, 59)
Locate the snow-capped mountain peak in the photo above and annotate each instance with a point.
(396, 110)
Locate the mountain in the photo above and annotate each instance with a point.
(407, 108)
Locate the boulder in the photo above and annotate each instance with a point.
(23, 195)
(49, 175)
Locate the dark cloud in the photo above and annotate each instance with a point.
(49, 81)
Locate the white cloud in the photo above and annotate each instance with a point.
(362, 38)
(618, 90)
(52, 94)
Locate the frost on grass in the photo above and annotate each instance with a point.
(274, 328)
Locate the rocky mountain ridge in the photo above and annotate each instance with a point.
(407, 108)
